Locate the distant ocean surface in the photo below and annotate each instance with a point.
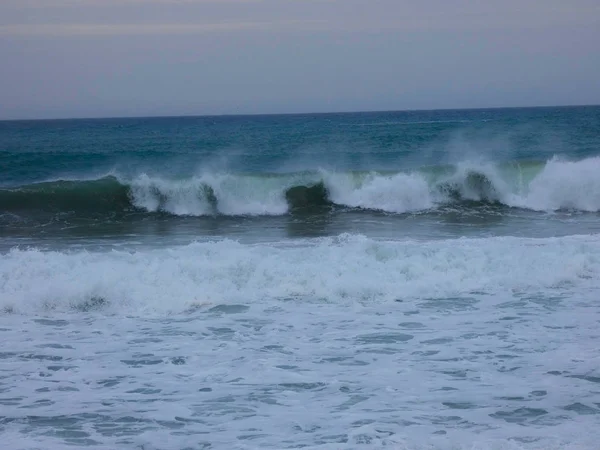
(404, 280)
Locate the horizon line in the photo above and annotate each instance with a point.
(224, 115)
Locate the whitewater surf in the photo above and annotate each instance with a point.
(418, 280)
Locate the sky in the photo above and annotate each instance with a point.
(112, 58)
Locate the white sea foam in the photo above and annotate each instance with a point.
(346, 268)
(491, 347)
(393, 193)
(237, 195)
(564, 185)
(181, 198)
(302, 345)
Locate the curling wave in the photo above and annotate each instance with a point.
(546, 186)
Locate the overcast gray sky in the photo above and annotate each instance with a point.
(98, 58)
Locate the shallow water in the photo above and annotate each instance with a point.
(500, 370)
(433, 299)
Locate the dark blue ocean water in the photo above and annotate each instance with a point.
(34, 151)
(419, 280)
(504, 169)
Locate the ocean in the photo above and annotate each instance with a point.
(403, 280)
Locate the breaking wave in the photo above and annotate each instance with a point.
(202, 275)
(546, 186)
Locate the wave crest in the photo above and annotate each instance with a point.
(396, 193)
(550, 186)
(564, 185)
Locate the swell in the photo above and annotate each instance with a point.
(103, 195)
(543, 186)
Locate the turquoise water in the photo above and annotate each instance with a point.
(402, 279)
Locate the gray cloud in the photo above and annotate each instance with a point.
(125, 29)
(146, 57)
